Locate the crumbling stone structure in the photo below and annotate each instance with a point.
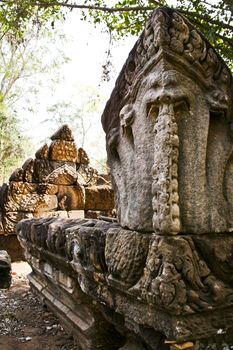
(160, 278)
(59, 182)
(5, 270)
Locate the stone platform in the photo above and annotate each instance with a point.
(107, 283)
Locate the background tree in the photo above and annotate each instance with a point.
(13, 145)
(23, 61)
(82, 113)
(125, 17)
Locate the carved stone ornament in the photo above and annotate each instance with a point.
(167, 129)
(64, 175)
(63, 150)
(63, 133)
(166, 284)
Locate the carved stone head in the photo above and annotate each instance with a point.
(168, 132)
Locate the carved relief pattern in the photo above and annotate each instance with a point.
(175, 33)
(125, 254)
(165, 271)
(165, 200)
(178, 279)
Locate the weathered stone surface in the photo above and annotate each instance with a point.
(167, 130)
(26, 188)
(51, 214)
(71, 197)
(28, 169)
(42, 168)
(11, 219)
(83, 157)
(99, 198)
(5, 269)
(11, 244)
(63, 150)
(64, 175)
(131, 272)
(64, 133)
(30, 202)
(17, 175)
(76, 214)
(96, 214)
(21, 188)
(86, 176)
(42, 152)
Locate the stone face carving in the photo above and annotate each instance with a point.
(170, 113)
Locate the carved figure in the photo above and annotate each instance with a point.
(167, 129)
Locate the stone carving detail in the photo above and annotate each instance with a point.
(64, 175)
(165, 199)
(125, 254)
(153, 119)
(167, 275)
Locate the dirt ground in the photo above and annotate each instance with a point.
(25, 324)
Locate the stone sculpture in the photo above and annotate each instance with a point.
(170, 112)
(162, 275)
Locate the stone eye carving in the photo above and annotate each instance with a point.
(127, 116)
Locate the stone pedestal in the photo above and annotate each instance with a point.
(147, 286)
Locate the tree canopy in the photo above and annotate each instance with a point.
(123, 17)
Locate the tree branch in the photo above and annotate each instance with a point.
(206, 18)
(91, 7)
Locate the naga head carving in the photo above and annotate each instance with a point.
(167, 127)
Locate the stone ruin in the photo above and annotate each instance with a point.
(160, 278)
(59, 182)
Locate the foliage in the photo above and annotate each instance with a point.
(81, 115)
(23, 61)
(13, 146)
(125, 17)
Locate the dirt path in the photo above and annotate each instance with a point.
(24, 323)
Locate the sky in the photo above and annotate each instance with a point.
(86, 47)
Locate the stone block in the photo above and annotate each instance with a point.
(95, 214)
(63, 150)
(99, 198)
(83, 157)
(31, 202)
(55, 214)
(28, 168)
(76, 214)
(17, 175)
(42, 168)
(5, 270)
(10, 220)
(21, 188)
(63, 133)
(42, 152)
